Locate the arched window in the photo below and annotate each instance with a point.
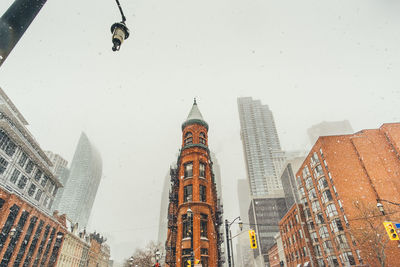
(202, 138)
(188, 138)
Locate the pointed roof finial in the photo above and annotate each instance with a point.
(194, 116)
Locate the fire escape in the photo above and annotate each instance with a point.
(218, 222)
(170, 244)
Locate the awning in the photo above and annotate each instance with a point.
(306, 264)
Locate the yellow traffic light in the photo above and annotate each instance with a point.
(196, 261)
(189, 263)
(253, 240)
(391, 231)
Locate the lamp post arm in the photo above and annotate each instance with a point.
(387, 201)
(238, 217)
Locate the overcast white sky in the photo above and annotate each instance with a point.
(309, 60)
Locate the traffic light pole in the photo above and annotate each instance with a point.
(14, 23)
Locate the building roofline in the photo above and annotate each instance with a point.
(13, 107)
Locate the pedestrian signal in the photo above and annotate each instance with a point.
(391, 231)
(253, 240)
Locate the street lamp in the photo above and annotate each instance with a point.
(228, 233)
(12, 232)
(380, 208)
(119, 30)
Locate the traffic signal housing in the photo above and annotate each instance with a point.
(253, 240)
(391, 231)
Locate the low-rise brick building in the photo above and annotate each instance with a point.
(28, 236)
(341, 181)
(295, 238)
(273, 256)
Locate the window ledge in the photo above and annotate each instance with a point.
(203, 238)
(186, 238)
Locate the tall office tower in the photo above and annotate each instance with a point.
(264, 161)
(262, 151)
(82, 184)
(194, 216)
(60, 170)
(289, 182)
(326, 128)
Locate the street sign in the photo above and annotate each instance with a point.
(397, 225)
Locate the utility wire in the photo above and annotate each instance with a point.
(120, 10)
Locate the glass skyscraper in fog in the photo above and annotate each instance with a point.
(83, 181)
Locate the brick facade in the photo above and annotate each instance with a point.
(193, 187)
(295, 237)
(342, 178)
(28, 237)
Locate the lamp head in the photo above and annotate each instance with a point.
(12, 232)
(240, 224)
(120, 33)
(189, 212)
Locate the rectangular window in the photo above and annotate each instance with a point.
(203, 193)
(44, 181)
(188, 169)
(22, 182)
(6, 144)
(14, 176)
(203, 225)
(186, 226)
(22, 160)
(29, 166)
(202, 170)
(331, 210)
(326, 196)
(3, 165)
(204, 261)
(38, 174)
(32, 189)
(38, 195)
(187, 193)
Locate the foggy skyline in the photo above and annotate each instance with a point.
(309, 61)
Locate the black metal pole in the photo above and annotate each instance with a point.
(14, 23)
(191, 240)
(227, 242)
(233, 258)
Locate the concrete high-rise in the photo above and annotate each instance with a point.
(264, 160)
(262, 150)
(83, 181)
